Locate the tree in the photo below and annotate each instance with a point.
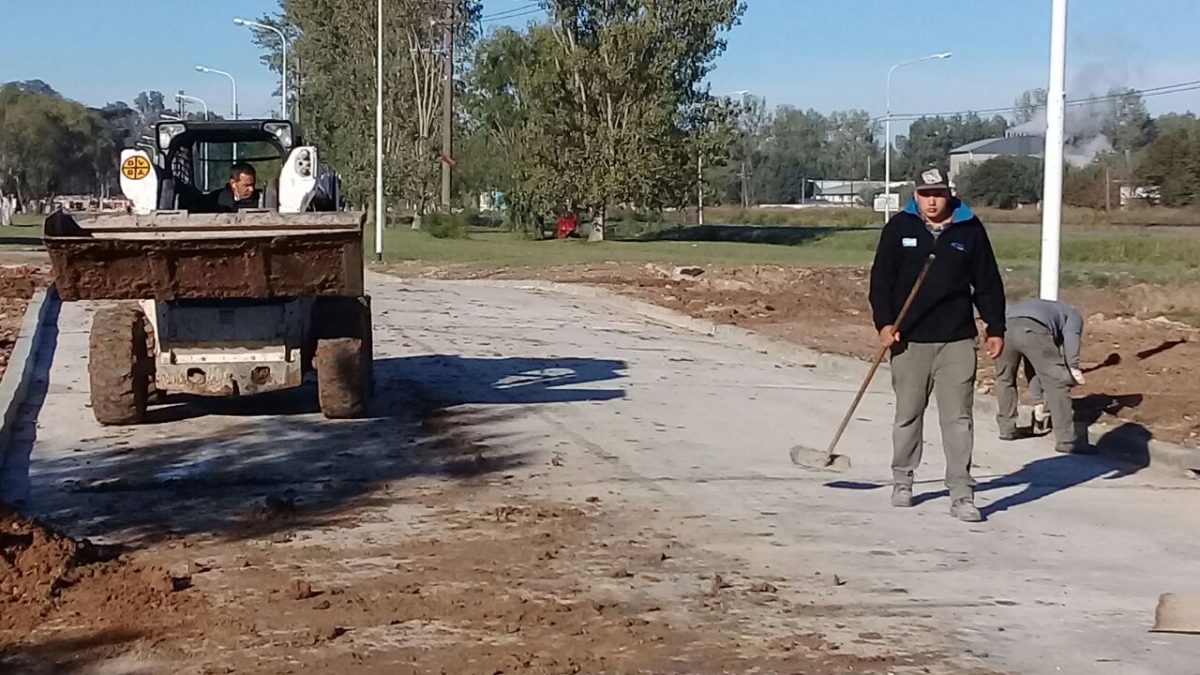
(1030, 105)
(606, 99)
(49, 144)
(1002, 182)
(853, 152)
(794, 154)
(1172, 160)
(930, 139)
(1129, 127)
(332, 64)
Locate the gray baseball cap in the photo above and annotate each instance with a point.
(931, 178)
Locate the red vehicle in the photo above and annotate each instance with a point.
(567, 225)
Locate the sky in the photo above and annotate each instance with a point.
(827, 54)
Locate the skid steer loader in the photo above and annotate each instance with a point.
(219, 304)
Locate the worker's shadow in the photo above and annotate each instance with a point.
(1122, 452)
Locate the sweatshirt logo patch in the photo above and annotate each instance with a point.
(909, 242)
(958, 246)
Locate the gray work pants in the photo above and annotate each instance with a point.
(946, 370)
(1032, 344)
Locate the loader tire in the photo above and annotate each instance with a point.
(117, 366)
(343, 377)
(345, 317)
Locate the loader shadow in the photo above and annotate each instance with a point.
(451, 379)
(446, 420)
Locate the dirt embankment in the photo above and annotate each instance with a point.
(1141, 366)
(17, 285)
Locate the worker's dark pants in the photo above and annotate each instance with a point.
(1029, 342)
(946, 370)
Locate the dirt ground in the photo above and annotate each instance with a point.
(484, 582)
(1140, 366)
(17, 284)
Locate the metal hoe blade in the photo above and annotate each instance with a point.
(819, 459)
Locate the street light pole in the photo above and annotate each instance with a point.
(1052, 186)
(448, 107)
(283, 86)
(379, 131)
(204, 154)
(887, 133)
(233, 82)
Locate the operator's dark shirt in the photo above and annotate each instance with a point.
(224, 202)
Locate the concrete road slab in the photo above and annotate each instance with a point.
(1062, 578)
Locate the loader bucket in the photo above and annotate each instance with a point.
(174, 255)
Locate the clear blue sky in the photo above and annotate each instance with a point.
(823, 54)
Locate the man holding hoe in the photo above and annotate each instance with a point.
(933, 351)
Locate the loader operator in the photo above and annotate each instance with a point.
(934, 350)
(1044, 336)
(239, 193)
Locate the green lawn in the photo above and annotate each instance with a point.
(1097, 259)
(25, 231)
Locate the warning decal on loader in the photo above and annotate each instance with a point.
(135, 168)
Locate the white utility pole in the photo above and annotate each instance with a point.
(283, 86)
(887, 133)
(1056, 112)
(379, 131)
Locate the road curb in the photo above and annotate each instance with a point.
(19, 374)
(1120, 443)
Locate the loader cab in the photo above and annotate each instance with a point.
(192, 163)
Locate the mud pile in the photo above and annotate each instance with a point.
(44, 574)
(21, 281)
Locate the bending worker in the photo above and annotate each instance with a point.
(1044, 336)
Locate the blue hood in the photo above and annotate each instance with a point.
(962, 212)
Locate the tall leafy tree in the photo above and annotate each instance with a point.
(331, 65)
(1003, 182)
(1172, 160)
(621, 77)
(1129, 126)
(1030, 104)
(49, 144)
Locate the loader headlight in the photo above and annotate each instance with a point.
(167, 132)
(282, 131)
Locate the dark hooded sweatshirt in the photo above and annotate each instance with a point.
(963, 274)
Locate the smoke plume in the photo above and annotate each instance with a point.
(1084, 123)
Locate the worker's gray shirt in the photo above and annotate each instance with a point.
(1064, 322)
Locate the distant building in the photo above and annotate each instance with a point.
(981, 151)
(848, 192)
(1080, 151)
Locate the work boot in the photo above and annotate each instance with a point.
(1013, 435)
(1041, 420)
(964, 509)
(1076, 448)
(902, 497)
